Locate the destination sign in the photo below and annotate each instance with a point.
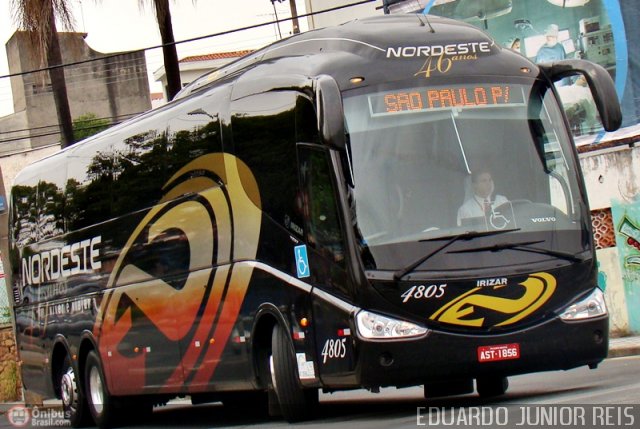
(446, 97)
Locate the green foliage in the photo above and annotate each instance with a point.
(5, 314)
(87, 125)
(9, 382)
(110, 184)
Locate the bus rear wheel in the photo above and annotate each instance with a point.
(101, 404)
(296, 403)
(74, 404)
(492, 386)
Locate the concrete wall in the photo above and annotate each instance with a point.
(110, 88)
(612, 177)
(10, 165)
(12, 137)
(611, 281)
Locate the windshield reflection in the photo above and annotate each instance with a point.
(441, 161)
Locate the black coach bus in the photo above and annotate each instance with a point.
(396, 201)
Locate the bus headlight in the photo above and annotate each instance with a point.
(374, 326)
(591, 306)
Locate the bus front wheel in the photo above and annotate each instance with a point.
(296, 403)
(101, 404)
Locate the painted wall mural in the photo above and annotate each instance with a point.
(626, 218)
(548, 30)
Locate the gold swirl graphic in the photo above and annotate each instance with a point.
(538, 288)
(174, 280)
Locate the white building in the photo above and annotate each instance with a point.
(339, 16)
(195, 66)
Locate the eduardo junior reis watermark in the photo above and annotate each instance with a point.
(529, 416)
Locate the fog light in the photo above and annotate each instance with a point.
(598, 337)
(386, 359)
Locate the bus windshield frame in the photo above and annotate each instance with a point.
(459, 157)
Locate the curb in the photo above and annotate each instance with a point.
(624, 351)
(6, 406)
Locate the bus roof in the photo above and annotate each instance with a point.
(379, 49)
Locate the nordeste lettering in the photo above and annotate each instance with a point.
(75, 258)
(437, 50)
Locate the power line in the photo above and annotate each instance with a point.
(193, 39)
(57, 125)
(74, 81)
(53, 133)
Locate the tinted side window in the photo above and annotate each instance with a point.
(324, 232)
(264, 135)
(125, 171)
(306, 122)
(38, 204)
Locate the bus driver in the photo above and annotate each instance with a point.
(482, 202)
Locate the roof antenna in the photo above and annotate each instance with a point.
(426, 17)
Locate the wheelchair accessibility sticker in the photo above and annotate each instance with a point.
(302, 261)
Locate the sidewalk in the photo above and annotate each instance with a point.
(624, 346)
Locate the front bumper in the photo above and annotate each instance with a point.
(554, 345)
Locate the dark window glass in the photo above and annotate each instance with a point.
(321, 210)
(306, 122)
(125, 171)
(39, 204)
(264, 135)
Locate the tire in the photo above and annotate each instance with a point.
(492, 386)
(101, 405)
(74, 404)
(296, 403)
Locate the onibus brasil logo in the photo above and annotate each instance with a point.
(20, 416)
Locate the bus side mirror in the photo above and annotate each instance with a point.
(330, 112)
(600, 83)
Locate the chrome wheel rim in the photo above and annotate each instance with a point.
(273, 373)
(68, 389)
(95, 390)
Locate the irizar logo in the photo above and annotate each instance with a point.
(472, 308)
(470, 48)
(502, 281)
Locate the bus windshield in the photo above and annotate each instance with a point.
(437, 161)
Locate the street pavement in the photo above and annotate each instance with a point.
(618, 347)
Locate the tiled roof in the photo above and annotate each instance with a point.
(215, 56)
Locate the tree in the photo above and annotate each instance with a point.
(87, 125)
(169, 52)
(38, 18)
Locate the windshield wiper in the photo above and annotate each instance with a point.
(524, 246)
(451, 239)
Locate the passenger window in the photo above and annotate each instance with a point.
(264, 138)
(320, 207)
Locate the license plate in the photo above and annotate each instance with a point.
(498, 352)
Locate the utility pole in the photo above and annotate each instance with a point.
(294, 16)
(273, 3)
